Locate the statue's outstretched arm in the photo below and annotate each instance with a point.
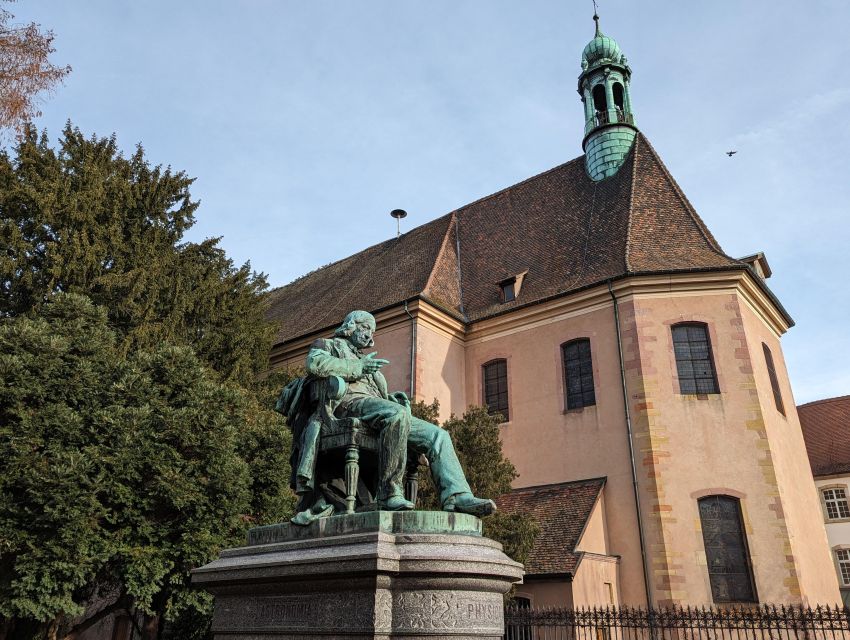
(322, 364)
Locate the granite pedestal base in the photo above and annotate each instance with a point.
(377, 575)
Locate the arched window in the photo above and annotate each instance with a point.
(495, 375)
(729, 567)
(842, 556)
(618, 95)
(600, 103)
(835, 501)
(694, 362)
(774, 381)
(578, 373)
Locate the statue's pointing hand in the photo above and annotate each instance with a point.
(371, 364)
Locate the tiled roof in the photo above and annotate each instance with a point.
(561, 511)
(566, 230)
(826, 430)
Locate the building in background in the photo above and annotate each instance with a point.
(826, 428)
(638, 368)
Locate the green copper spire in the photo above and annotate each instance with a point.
(609, 125)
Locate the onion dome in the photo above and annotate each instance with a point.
(601, 49)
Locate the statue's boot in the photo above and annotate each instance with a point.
(395, 503)
(468, 503)
(303, 518)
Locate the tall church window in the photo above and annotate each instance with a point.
(496, 387)
(774, 381)
(694, 362)
(578, 373)
(835, 501)
(729, 568)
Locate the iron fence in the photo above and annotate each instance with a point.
(765, 622)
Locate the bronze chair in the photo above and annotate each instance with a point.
(352, 436)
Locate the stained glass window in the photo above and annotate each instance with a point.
(496, 387)
(578, 374)
(774, 381)
(729, 569)
(693, 359)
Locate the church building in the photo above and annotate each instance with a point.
(638, 368)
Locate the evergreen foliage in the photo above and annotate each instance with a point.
(85, 219)
(121, 473)
(476, 440)
(136, 434)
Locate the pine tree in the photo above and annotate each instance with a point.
(121, 473)
(85, 219)
(159, 400)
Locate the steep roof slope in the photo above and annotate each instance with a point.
(826, 430)
(377, 277)
(561, 511)
(562, 228)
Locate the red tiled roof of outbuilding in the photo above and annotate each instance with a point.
(826, 430)
(567, 231)
(561, 511)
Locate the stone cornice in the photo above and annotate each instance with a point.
(741, 282)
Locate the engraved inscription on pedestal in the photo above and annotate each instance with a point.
(400, 612)
(447, 610)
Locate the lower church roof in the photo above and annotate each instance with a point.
(561, 511)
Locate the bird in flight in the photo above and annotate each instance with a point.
(731, 153)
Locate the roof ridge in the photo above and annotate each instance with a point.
(634, 152)
(823, 401)
(357, 253)
(451, 216)
(513, 186)
(689, 208)
(601, 479)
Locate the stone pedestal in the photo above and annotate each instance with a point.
(377, 575)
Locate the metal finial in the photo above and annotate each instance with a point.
(596, 18)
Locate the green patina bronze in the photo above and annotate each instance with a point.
(609, 128)
(341, 408)
(395, 522)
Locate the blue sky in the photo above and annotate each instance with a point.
(306, 122)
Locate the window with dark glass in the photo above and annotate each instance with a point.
(774, 381)
(729, 568)
(508, 291)
(496, 387)
(693, 359)
(578, 373)
(617, 90)
(600, 101)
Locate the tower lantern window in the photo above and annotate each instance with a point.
(600, 103)
(618, 95)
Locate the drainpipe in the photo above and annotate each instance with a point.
(646, 581)
(412, 353)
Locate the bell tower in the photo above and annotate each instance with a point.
(609, 125)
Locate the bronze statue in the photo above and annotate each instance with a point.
(359, 391)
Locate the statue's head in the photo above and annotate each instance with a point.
(358, 327)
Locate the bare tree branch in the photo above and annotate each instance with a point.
(25, 71)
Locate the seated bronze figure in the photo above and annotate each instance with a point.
(342, 405)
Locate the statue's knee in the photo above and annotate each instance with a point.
(399, 416)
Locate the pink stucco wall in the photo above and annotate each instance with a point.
(686, 446)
